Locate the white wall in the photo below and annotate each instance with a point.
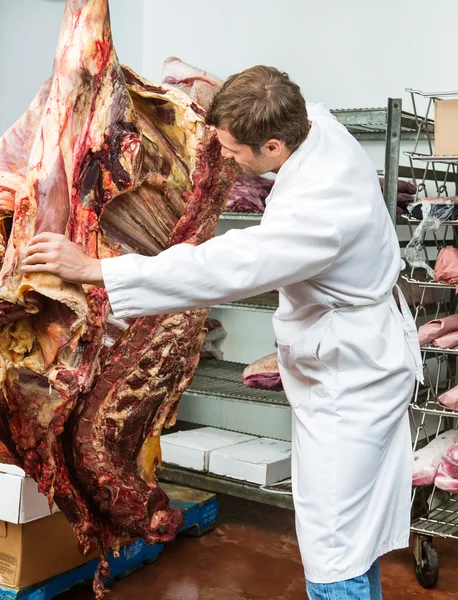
(347, 54)
(29, 30)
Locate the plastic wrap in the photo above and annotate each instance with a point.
(431, 212)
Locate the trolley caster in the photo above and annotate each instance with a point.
(426, 562)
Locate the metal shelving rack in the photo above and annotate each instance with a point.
(434, 512)
(222, 380)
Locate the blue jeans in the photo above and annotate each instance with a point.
(365, 587)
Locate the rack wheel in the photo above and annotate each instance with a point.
(426, 563)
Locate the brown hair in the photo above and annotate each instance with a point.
(259, 104)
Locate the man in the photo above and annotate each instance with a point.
(347, 356)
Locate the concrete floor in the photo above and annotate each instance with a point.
(253, 555)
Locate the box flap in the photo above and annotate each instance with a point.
(259, 451)
(10, 499)
(34, 505)
(205, 438)
(12, 470)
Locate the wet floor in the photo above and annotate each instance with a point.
(253, 555)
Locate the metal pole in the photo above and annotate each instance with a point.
(392, 151)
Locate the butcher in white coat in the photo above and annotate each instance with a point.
(347, 355)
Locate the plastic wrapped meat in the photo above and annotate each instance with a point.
(450, 399)
(436, 209)
(436, 329)
(446, 482)
(263, 374)
(431, 212)
(426, 461)
(446, 270)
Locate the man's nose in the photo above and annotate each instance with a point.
(226, 153)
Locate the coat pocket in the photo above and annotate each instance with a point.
(307, 371)
(295, 383)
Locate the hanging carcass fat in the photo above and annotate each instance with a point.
(118, 165)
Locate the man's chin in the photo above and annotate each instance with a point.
(250, 172)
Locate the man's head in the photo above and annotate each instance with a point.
(260, 118)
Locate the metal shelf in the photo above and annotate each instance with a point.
(432, 158)
(434, 408)
(225, 485)
(441, 521)
(267, 302)
(372, 123)
(233, 216)
(437, 350)
(428, 284)
(223, 379)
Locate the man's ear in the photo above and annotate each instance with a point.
(274, 147)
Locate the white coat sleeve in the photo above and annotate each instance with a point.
(288, 246)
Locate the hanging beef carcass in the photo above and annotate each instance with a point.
(118, 165)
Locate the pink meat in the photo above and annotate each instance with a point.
(450, 462)
(436, 329)
(200, 85)
(446, 269)
(446, 482)
(450, 399)
(427, 460)
(449, 340)
(263, 374)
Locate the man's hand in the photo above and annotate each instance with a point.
(54, 253)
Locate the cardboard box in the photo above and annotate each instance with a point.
(446, 128)
(191, 449)
(263, 461)
(36, 551)
(20, 500)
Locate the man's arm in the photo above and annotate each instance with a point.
(286, 248)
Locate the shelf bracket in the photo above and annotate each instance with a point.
(392, 152)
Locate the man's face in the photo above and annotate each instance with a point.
(251, 164)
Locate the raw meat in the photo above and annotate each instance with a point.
(446, 482)
(450, 462)
(215, 333)
(200, 85)
(117, 164)
(263, 374)
(446, 269)
(437, 328)
(249, 194)
(426, 461)
(443, 208)
(450, 399)
(404, 187)
(449, 340)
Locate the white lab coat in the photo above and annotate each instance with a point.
(347, 355)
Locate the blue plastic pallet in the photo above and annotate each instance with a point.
(200, 510)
